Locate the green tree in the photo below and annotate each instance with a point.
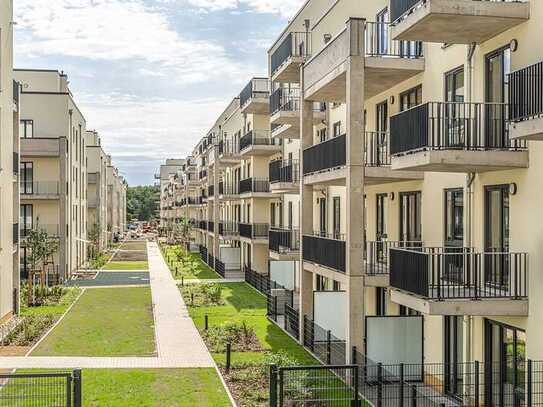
(141, 202)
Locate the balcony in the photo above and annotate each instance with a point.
(386, 62)
(39, 190)
(324, 250)
(286, 59)
(92, 202)
(93, 177)
(377, 260)
(526, 103)
(254, 231)
(254, 98)
(50, 229)
(254, 188)
(460, 281)
(324, 163)
(228, 191)
(285, 111)
(284, 244)
(455, 137)
(439, 20)
(259, 143)
(210, 226)
(40, 147)
(284, 176)
(229, 230)
(229, 153)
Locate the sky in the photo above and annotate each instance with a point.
(151, 76)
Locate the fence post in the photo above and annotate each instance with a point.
(69, 384)
(228, 356)
(206, 322)
(273, 386)
(77, 387)
(379, 384)
(401, 384)
(476, 383)
(356, 389)
(353, 355)
(328, 347)
(413, 396)
(529, 389)
(182, 281)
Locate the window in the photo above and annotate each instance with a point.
(25, 218)
(382, 117)
(380, 301)
(410, 216)
(454, 85)
(337, 217)
(272, 214)
(454, 217)
(26, 178)
(322, 134)
(453, 353)
(322, 216)
(290, 214)
(411, 98)
(27, 128)
(498, 67)
(337, 129)
(382, 31)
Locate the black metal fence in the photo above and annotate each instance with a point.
(446, 273)
(326, 251)
(376, 149)
(323, 344)
(526, 93)
(287, 171)
(261, 282)
(284, 240)
(295, 44)
(249, 185)
(254, 230)
(203, 253)
(329, 154)
(258, 138)
(292, 321)
(60, 389)
(256, 88)
(378, 42)
(220, 267)
(452, 126)
(229, 188)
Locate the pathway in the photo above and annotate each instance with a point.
(178, 342)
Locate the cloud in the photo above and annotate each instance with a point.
(283, 8)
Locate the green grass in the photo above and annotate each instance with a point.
(134, 245)
(243, 303)
(201, 272)
(149, 388)
(126, 265)
(104, 322)
(55, 309)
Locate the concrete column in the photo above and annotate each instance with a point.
(354, 183)
(306, 205)
(62, 210)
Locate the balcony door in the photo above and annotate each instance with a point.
(382, 20)
(381, 227)
(26, 218)
(455, 111)
(453, 354)
(336, 219)
(498, 67)
(26, 174)
(381, 128)
(410, 216)
(322, 217)
(454, 261)
(505, 365)
(496, 235)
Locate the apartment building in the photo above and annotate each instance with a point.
(116, 200)
(167, 170)
(53, 169)
(97, 205)
(9, 169)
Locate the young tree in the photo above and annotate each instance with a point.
(94, 235)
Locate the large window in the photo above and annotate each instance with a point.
(410, 216)
(26, 177)
(454, 217)
(27, 128)
(411, 98)
(337, 217)
(25, 218)
(498, 67)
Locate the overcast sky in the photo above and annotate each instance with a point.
(150, 75)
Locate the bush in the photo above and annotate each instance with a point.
(99, 261)
(241, 336)
(199, 295)
(43, 295)
(29, 330)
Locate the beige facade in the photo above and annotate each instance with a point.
(116, 201)
(97, 205)
(53, 172)
(9, 157)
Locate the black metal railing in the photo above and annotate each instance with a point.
(61, 389)
(228, 188)
(284, 240)
(228, 228)
(256, 88)
(526, 93)
(452, 126)
(452, 272)
(377, 260)
(228, 148)
(286, 100)
(254, 185)
(220, 268)
(258, 138)
(324, 250)
(292, 321)
(261, 282)
(376, 149)
(295, 44)
(378, 42)
(287, 171)
(254, 230)
(326, 155)
(329, 349)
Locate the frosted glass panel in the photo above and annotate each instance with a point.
(330, 311)
(283, 272)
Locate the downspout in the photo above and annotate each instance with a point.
(470, 178)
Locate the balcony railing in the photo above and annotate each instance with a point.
(376, 149)
(284, 240)
(39, 188)
(257, 88)
(452, 126)
(287, 171)
(326, 250)
(526, 93)
(249, 185)
(228, 148)
(50, 229)
(379, 43)
(295, 44)
(378, 255)
(459, 273)
(228, 228)
(228, 189)
(326, 155)
(254, 230)
(288, 100)
(258, 138)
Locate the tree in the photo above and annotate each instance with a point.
(94, 235)
(141, 202)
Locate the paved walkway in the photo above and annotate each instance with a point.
(113, 278)
(178, 342)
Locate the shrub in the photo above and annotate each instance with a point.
(99, 261)
(43, 295)
(241, 336)
(199, 295)
(29, 330)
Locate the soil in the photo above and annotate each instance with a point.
(11, 350)
(130, 256)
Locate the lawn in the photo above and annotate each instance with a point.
(146, 388)
(134, 245)
(54, 309)
(126, 265)
(104, 322)
(243, 303)
(199, 270)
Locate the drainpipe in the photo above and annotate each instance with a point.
(470, 178)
